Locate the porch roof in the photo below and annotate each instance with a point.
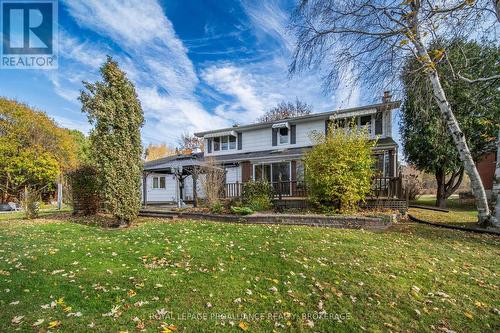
(168, 162)
(265, 154)
(382, 143)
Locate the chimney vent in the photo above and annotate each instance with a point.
(387, 97)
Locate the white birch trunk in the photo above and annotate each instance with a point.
(484, 214)
(496, 187)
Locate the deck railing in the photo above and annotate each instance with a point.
(382, 187)
(386, 187)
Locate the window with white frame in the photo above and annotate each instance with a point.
(159, 182)
(283, 135)
(226, 142)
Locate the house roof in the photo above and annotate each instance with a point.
(325, 115)
(173, 161)
(286, 153)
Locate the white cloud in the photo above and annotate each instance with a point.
(153, 57)
(270, 19)
(229, 80)
(259, 85)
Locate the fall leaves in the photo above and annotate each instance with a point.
(199, 276)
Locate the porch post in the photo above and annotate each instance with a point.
(195, 192)
(144, 189)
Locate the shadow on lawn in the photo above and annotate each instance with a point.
(439, 235)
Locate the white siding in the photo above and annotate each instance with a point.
(161, 194)
(261, 139)
(188, 187)
(233, 174)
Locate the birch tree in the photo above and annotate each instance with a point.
(376, 37)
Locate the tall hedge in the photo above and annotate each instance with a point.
(85, 193)
(113, 108)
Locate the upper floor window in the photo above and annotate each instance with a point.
(366, 121)
(159, 182)
(226, 142)
(283, 135)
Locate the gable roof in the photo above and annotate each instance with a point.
(321, 115)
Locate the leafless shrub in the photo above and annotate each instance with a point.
(213, 181)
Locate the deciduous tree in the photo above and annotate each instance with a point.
(476, 106)
(376, 37)
(285, 110)
(34, 150)
(188, 143)
(154, 152)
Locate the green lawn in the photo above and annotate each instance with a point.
(459, 214)
(189, 274)
(453, 217)
(452, 203)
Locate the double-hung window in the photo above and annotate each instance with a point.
(159, 182)
(283, 136)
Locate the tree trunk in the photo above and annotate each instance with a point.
(495, 193)
(484, 214)
(441, 192)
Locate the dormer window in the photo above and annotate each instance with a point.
(281, 133)
(283, 136)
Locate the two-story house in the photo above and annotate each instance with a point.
(273, 150)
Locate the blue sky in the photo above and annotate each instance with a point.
(196, 65)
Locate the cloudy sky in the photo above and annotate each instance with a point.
(196, 65)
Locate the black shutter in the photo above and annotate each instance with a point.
(391, 163)
(293, 134)
(378, 123)
(327, 126)
(240, 143)
(275, 136)
(209, 144)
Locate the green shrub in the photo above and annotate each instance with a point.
(30, 202)
(257, 195)
(217, 208)
(85, 193)
(241, 210)
(339, 168)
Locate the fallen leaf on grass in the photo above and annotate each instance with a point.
(54, 324)
(38, 322)
(243, 325)
(17, 319)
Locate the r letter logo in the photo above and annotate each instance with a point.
(29, 34)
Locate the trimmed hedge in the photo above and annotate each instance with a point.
(85, 190)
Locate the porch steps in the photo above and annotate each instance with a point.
(158, 213)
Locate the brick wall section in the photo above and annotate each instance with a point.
(486, 169)
(246, 171)
(340, 221)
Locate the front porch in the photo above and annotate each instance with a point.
(382, 187)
